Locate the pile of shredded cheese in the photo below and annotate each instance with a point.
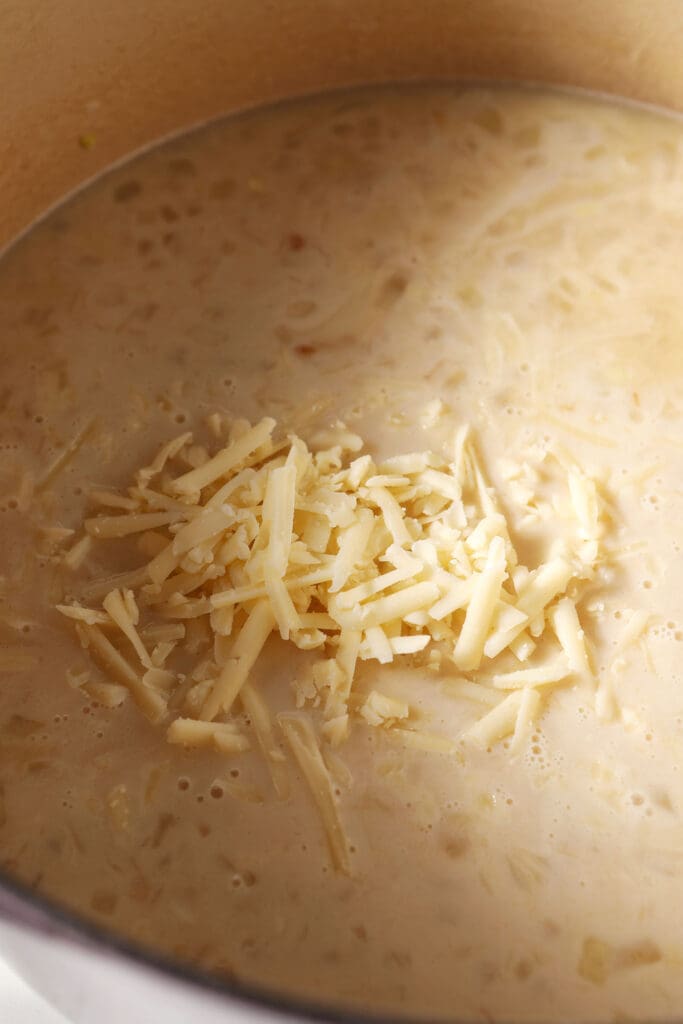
(357, 561)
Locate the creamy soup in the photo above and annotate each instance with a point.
(403, 262)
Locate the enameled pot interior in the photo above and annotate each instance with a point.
(85, 86)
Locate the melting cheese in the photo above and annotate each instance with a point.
(409, 559)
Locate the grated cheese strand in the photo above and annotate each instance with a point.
(497, 723)
(469, 648)
(565, 621)
(245, 651)
(352, 546)
(115, 607)
(124, 525)
(221, 735)
(543, 675)
(392, 513)
(536, 593)
(300, 735)
(257, 709)
(529, 707)
(149, 701)
(278, 516)
(226, 460)
(395, 606)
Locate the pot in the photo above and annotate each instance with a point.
(83, 86)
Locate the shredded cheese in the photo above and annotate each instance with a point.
(528, 710)
(76, 555)
(497, 723)
(381, 710)
(123, 525)
(244, 653)
(565, 622)
(226, 460)
(150, 703)
(469, 648)
(222, 736)
(119, 610)
(300, 735)
(350, 561)
(542, 675)
(257, 709)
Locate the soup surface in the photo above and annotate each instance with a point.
(405, 261)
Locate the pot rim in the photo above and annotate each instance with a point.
(23, 907)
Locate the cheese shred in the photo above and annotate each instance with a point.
(300, 735)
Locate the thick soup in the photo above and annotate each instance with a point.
(393, 720)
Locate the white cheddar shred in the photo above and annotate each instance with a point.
(565, 621)
(225, 461)
(115, 606)
(497, 723)
(300, 735)
(192, 733)
(469, 648)
(149, 701)
(245, 651)
(528, 710)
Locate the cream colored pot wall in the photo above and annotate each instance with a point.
(115, 75)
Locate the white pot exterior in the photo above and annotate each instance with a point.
(91, 983)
